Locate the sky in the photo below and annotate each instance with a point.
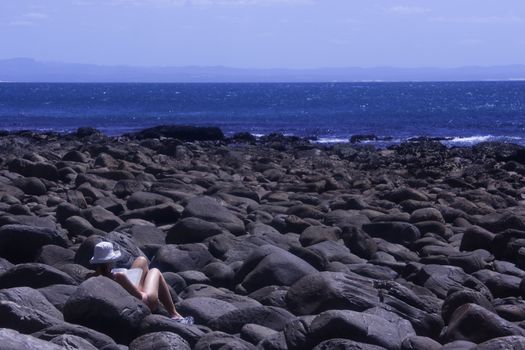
(266, 33)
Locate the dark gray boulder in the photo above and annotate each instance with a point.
(24, 319)
(97, 339)
(394, 232)
(31, 186)
(361, 327)
(510, 342)
(33, 275)
(268, 316)
(57, 294)
(204, 309)
(55, 255)
(21, 243)
(220, 340)
(461, 297)
(270, 265)
(192, 230)
(12, 340)
(159, 341)
(164, 213)
(420, 343)
(30, 298)
(101, 218)
(102, 304)
(177, 258)
(158, 323)
(209, 209)
(72, 342)
(345, 344)
(323, 291)
(476, 324)
(140, 200)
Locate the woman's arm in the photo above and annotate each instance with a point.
(122, 279)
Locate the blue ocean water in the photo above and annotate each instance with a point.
(467, 112)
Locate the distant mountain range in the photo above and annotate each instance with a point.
(28, 70)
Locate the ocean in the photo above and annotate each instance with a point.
(464, 113)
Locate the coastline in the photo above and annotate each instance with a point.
(265, 241)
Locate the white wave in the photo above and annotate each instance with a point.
(471, 139)
(331, 140)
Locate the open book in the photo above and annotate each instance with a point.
(133, 275)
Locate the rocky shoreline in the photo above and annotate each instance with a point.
(270, 243)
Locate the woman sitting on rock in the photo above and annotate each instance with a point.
(150, 286)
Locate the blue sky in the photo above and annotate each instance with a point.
(266, 33)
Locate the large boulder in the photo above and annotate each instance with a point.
(204, 309)
(394, 232)
(209, 209)
(31, 186)
(72, 342)
(12, 340)
(101, 218)
(158, 323)
(220, 340)
(323, 291)
(30, 298)
(178, 258)
(192, 230)
(476, 324)
(33, 275)
(102, 304)
(159, 341)
(268, 316)
(361, 327)
(97, 339)
(270, 265)
(181, 132)
(24, 319)
(21, 243)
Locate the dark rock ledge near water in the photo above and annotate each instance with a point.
(273, 243)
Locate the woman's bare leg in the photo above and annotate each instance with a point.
(155, 288)
(141, 263)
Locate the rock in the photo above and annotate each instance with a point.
(208, 209)
(12, 340)
(268, 316)
(182, 257)
(21, 243)
(420, 343)
(254, 333)
(510, 342)
(139, 200)
(316, 234)
(160, 214)
(159, 340)
(23, 319)
(359, 327)
(475, 323)
(500, 285)
(192, 230)
(101, 218)
(394, 232)
(219, 340)
(345, 344)
(124, 188)
(181, 132)
(476, 237)
(158, 323)
(30, 298)
(461, 297)
(75, 156)
(269, 265)
(57, 294)
(55, 255)
(103, 305)
(426, 214)
(401, 194)
(72, 342)
(323, 291)
(359, 242)
(204, 309)
(33, 275)
(440, 279)
(97, 339)
(219, 274)
(31, 186)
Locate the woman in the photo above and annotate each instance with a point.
(150, 288)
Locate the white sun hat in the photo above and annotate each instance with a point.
(104, 253)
